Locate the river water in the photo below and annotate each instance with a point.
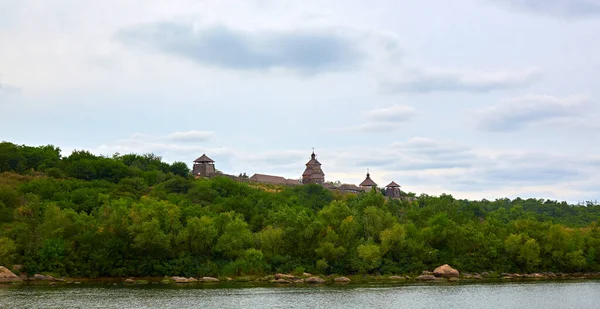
(538, 295)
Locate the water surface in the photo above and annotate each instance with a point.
(538, 295)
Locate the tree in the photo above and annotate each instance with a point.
(180, 169)
(8, 251)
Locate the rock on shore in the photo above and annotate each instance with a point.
(8, 276)
(445, 271)
(314, 280)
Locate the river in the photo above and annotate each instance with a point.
(531, 295)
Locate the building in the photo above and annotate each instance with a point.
(203, 166)
(368, 182)
(392, 190)
(313, 172)
(276, 180)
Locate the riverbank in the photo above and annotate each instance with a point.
(288, 279)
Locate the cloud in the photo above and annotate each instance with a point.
(384, 119)
(417, 153)
(558, 8)
(189, 136)
(419, 164)
(6, 89)
(309, 51)
(513, 114)
(392, 113)
(436, 80)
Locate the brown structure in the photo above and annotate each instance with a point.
(276, 180)
(368, 182)
(392, 190)
(350, 188)
(313, 172)
(204, 166)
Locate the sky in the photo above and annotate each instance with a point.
(481, 99)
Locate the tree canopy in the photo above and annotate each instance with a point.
(135, 215)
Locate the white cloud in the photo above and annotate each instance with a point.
(473, 81)
(392, 113)
(515, 113)
(189, 136)
(559, 8)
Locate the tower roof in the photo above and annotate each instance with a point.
(204, 159)
(368, 182)
(393, 185)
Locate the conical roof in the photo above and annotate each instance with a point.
(393, 185)
(204, 159)
(368, 182)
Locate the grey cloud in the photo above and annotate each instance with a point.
(6, 89)
(306, 51)
(433, 149)
(428, 81)
(384, 119)
(421, 154)
(558, 8)
(516, 113)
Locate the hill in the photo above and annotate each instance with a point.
(134, 215)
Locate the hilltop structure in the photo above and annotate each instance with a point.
(313, 174)
(203, 166)
(392, 190)
(368, 182)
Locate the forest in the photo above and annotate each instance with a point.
(134, 215)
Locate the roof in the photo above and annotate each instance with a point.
(368, 182)
(204, 159)
(393, 185)
(269, 179)
(347, 187)
(292, 182)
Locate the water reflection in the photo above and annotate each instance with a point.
(541, 295)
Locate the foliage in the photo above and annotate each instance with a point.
(134, 215)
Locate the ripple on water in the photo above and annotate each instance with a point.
(541, 295)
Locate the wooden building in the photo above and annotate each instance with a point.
(203, 166)
(392, 190)
(368, 182)
(313, 172)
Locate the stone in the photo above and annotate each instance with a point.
(209, 279)
(42, 277)
(279, 281)
(178, 279)
(426, 273)
(453, 279)
(129, 280)
(445, 271)
(342, 279)
(485, 274)
(284, 276)
(8, 276)
(192, 279)
(477, 277)
(426, 278)
(314, 280)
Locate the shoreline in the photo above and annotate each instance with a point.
(290, 280)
